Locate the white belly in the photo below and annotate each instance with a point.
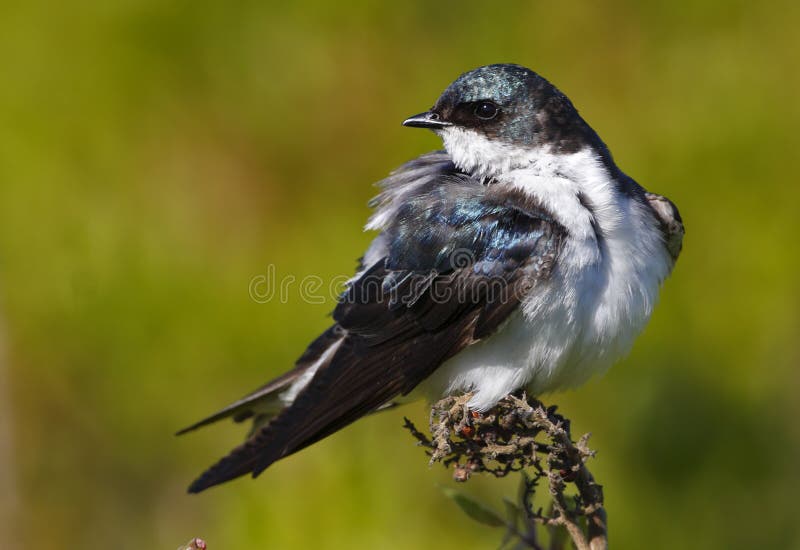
(552, 342)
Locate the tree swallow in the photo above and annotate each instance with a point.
(521, 257)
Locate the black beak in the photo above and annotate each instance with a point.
(428, 119)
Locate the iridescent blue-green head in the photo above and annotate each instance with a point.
(506, 106)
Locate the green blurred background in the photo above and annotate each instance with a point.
(156, 156)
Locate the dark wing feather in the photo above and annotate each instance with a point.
(460, 257)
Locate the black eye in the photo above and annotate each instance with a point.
(486, 110)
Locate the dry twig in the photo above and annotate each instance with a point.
(194, 544)
(520, 434)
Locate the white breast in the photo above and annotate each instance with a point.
(599, 297)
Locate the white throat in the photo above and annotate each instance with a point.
(482, 157)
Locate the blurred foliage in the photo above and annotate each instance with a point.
(156, 156)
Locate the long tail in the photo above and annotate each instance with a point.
(338, 394)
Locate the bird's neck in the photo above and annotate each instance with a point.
(486, 159)
(481, 157)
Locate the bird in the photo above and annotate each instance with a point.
(519, 257)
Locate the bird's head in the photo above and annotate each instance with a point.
(500, 117)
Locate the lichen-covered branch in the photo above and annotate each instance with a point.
(521, 435)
